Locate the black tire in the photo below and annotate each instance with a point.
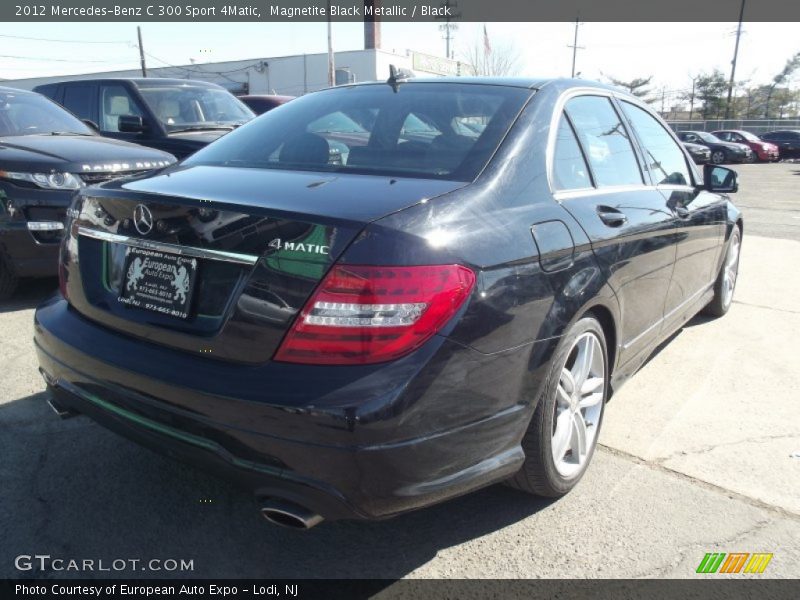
(721, 302)
(539, 475)
(718, 157)
(8, 281)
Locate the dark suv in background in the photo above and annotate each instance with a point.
(179, 116)
(787, 141)
(46, 155)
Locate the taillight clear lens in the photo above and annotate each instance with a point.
(365, 314)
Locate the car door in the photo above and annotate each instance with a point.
(632, 231)
(115, 100)
(699, 215)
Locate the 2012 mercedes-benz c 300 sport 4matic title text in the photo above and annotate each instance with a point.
(380, 296)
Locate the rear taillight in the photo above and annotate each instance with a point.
(365, 314)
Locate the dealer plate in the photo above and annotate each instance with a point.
(159, 282)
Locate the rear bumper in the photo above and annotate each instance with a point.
(393, 447)
(24, 255)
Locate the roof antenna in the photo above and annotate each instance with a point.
(397, 76)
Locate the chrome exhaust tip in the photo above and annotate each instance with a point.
(288, 514)
(61, 411)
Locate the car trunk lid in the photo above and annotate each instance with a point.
(225, 257)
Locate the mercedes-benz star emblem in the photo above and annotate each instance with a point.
(143, 219)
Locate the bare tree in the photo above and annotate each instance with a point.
(485, 56)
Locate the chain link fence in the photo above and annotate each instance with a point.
(756, 126)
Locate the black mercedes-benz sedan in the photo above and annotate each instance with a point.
(446, 305)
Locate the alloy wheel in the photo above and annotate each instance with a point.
(579, 405)
(731, 269)
(718, 157)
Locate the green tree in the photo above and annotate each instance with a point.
(638, 86)
(780, 80)
(711, 90)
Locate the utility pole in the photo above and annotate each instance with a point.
(141, 51)
(691, 98)
(733, 62)
(575, 46)
(448, 27)
(331, 63)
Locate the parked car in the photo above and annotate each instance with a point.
(361, 338)
(260, 104)
(46, 154)
(700, 154)
(787, 141)
(764, 151)
(179, 116)
(721, 152)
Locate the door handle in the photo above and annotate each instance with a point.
(611, 216)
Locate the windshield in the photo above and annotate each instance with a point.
(31, 114)
(707, 137)
(183, 107)
(433, 130)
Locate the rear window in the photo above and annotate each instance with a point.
(428, 130)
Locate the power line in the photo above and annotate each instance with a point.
(20, 37)
(69, 60)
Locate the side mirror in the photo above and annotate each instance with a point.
(130, 124)
(721, 180)
(91, 125)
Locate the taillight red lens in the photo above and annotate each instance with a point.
(365, 314)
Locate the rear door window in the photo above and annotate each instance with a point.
(605, 141)
(570, 171)
(78, 100)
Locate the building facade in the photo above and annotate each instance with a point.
(283, 75)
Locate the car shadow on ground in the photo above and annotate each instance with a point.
(698, 319)
(29, 294)
(75, 490)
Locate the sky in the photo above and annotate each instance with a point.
(672, 53)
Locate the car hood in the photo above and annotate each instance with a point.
(76, 154)
(350, 197)
(201, 138)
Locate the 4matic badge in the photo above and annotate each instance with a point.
(279, 244)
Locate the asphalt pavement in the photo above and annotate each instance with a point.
(700, 452)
